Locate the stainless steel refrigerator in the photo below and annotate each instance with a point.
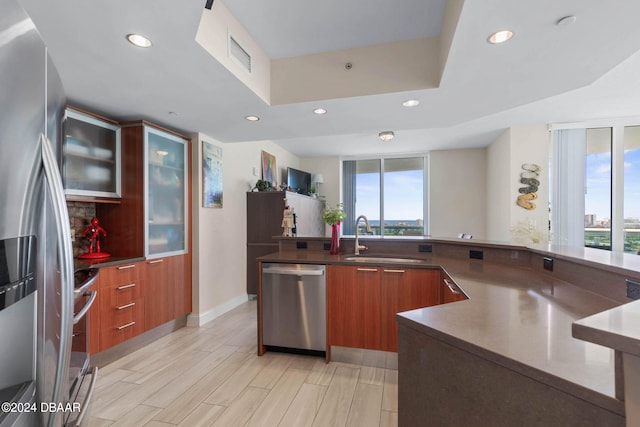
(36, 261)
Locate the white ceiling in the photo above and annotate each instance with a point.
(546, 73)
(287, 28)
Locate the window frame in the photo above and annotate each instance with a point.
(425, 186)
(617, 171)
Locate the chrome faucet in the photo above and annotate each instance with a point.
(366, 223)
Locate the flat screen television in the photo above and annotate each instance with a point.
(299, 181)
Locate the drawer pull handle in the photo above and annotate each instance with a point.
(156, 261)
(367, 269)
(130, 285)
(124, 267)
(122, 307)
(128, 325)
(394, 271)
(453, 288)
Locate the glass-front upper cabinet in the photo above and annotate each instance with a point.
(91, 160)
(166, 193)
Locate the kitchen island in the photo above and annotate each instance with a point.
(511, 338)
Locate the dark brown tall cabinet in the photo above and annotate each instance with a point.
(264, 221)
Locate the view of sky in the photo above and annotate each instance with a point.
(598, 194)
(403, 195)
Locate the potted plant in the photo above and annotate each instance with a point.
(333, 217)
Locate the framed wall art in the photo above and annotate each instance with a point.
(211, 175)
(269, 170)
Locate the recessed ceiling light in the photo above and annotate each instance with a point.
(387, 135)
(138, 40)
(252, 118)
(411, 103)
(320, 111)
(500, 36)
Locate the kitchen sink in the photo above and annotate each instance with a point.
(372, 259)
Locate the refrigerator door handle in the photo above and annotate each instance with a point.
(54, 184)
(83, 412)
(87, 306)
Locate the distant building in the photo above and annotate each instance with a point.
(589, 220)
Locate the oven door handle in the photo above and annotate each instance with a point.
(92, 275)
(92, 297)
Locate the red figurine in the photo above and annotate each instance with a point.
(94, 230)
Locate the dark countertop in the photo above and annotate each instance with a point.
(514, 316)
(79, 264)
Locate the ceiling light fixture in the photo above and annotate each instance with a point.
(566, 21)
(411, 103)
(138, 40)
(387, 135)
(320, 111)
(500, 36)
(252, 118)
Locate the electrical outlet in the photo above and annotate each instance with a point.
(326, 246)
(633, 289)
(547, 263)
(301, 245)
(425, 248)
(476, 254)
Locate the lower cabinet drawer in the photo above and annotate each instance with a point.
(121, 323)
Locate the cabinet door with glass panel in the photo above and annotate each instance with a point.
(91, 161)
(165, 193)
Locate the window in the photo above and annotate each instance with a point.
(390, 192)
(597, 194)
(632, 189)
(597, 174)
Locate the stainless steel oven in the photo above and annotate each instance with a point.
(81, 377)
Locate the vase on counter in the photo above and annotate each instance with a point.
(335, 239)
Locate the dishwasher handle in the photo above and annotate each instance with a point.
(293, 271)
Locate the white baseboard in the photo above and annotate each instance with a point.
(198, 320)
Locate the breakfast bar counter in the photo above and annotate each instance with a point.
(507, 352)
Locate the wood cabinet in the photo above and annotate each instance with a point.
(402, 290)
(91, 159)
(353, 306)
(122, 304)
(159, 301)
(165, 299)
(152, 217)
(363, 302)
(450, 291)
(152, 220)
(136, 297)
(264, 220)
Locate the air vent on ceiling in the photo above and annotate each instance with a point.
(240, 54)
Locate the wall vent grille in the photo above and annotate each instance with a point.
(237, 52)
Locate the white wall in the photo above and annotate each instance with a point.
(530, 144)
(506, 221)
(330, 168)
(219, 234)
(216, 25)
(499, 197)
(457, 192)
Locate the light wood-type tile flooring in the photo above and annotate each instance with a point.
(211, 376)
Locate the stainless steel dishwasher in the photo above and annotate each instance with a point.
(294, 306)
